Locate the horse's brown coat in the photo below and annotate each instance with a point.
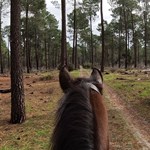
(101, 121)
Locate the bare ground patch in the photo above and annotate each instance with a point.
(138, 128)
(41, 96)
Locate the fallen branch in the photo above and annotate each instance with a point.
(5, 91)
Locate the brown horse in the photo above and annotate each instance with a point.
(81, 121)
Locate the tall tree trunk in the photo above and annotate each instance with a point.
(56, 51)
(1, 56)
(48, 52)
(126, 38)
(119, 50)
(45, 53)
(17, 87)
(27, 40)
(134, 42)
(112, 53)
(145, 37)
(74, 35)
(63, 37)
(120, 32)
(103, 42)
(128, 45)
(23, 47)
(8, 65)
(138, 53)
(53, 57)
(29, 47)
(36, 51)
(92, 57)
(76, 52)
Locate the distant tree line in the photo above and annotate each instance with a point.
(126, 40)
(36, 42)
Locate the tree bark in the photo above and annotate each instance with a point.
(63, 36)
(1, 57)
(45, 41)
(126, 37)
(145, 37)
(27, 41)
(49, 53)
(17, 87)
(76, 51)
(120, 32)
(112, 53)
(138, 53)
(74, 35)
(92, 56)
(36, 51)
(103, 36)
(134, 42)
(8, 65)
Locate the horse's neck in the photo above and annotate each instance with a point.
(100, 121)
(74, 128)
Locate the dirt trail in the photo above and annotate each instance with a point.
(137, 126)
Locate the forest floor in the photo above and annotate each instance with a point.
(126, 97)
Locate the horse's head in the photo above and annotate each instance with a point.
(95, 81)
(81, 121)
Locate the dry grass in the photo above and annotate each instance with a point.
(41, 100)
(42, 93)
(134, 90)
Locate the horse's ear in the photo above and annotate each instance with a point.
(65, 79)
(96, 75)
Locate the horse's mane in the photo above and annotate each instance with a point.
(74, 122)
